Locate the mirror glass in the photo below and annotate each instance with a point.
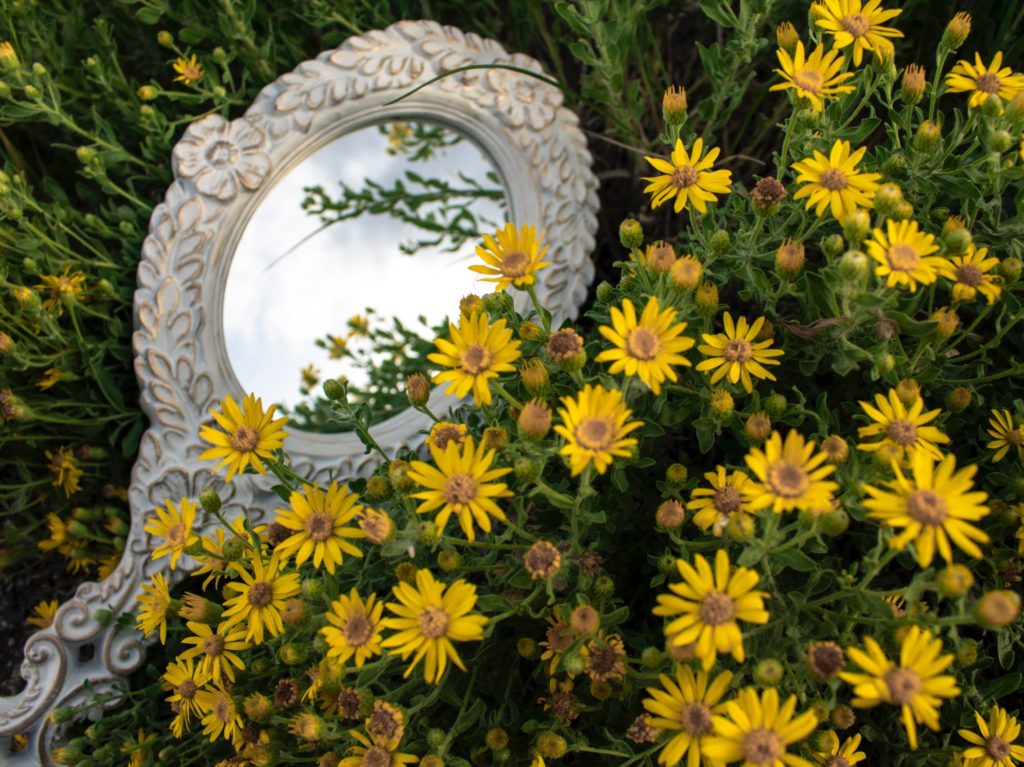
(352, 264)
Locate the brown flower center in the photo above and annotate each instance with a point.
(837, 761)
(260, 594)
(927, 507)
(176, 534)
(1015, 437)
(515, 264)
(717, 608)
(244, 439)
(762, 746)
(833, 179)
(856, 24)
(969, 275)
(213, 645)
(476, 359)
(385, 722)
(319, 526)
(460, 488)
(358, 630)
(559, 637)
(738, 350)
(808, 80)
(684, 176)
(564, 343)
(222, 710)
(902, 258)
(902, 433)
(903, 684)
(349, 703)
(642, 344)
(997, 748)
(433, 622)
(595, 433)
(446, 434)
(727, 499)
(787, 480)
(603, 663)
(696, 718)
(376, 756)
(186, 690)
(988, 83)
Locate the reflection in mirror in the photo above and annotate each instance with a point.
(352, 264)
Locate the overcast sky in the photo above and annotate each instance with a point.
(272, 317)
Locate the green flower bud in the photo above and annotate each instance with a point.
(631, 233)
(992, 107)
(527, 469)
(835, 523)
(741, 527)
(146, 93)
(573, 663)
(604, 586)
(676, 474)
(335, 390)
(428, 532)
(720, 242)
(165, 38)
(377, 489)
(832, 246)
(775, 405)
(209, 500)
(856, 226)
(605, 292)
(956, 32)
(85, 154)
(66, 714)
(999, 141)
(651, 657)
(957, 241)
(768, 672)
(497, 303)
(1010, 269)
(927, 137)
(673, 106)
(666, 564)
(853, 269)
(954, 581)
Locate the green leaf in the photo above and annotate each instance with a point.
(491, 603)
(715, 11)
(795, 560)
(1003, 686)
(859, 133)
(148, 15)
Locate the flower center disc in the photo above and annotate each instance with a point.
(761, 746)
(642, 344)
(833, 179)
(738, 351)
(927, 507)
(515, 264)
(997, 748)
(902, 433)
(1015, 437)
(594, 433)
(460, 488)
(696, 718)
(902, 258)
(244, 439)
(176, 534)
(787, 480)
(319, 526)
(727, 499)
(970, 275)
(808, 80)
(222, 710)
(988, 83)
(837, 761)
(433, 622)
(684, 176)
(903, 684)
(358, 630)
(856, 24)
(446, 434)
(717, 608)
(476, 359)
(376, 756)
(186, 690)
(213, 645)
(260, 594)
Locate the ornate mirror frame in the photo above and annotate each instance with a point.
(223, 170)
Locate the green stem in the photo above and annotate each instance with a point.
(506, 395)
(544, 319)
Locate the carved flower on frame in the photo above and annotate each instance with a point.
(219, 156)
(525, 99)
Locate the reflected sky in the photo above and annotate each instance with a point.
(273, 316)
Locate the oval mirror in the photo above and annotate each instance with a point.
(352, 261)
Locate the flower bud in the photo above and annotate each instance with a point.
(416, 387)
(631, 233)
(927, 136)
(884, 59)
(992, 107)
(605, 293)
(497, 303)
(999, 141)
(534, 375)
(946, 320)
(666, 564)
(660, 257)
(535, 420)
(835, 449)
(673, 107)
(787, 37)
(959, 399)
(722, 404)
(954, 581)
(604, 586)
(527, 647)
(146, 93)
(720, 242)
(956, 32)
(258, 707)
(495, 437)
(908, 391)
(428, 532)
(377, 526)
(835, 523)
(856, 226)
(1009, 269)
(997, 609)
(789, 259)
(471, 304)
(758, 427)
(293, 654)
(312, 588)
(853, 269)
(670, 515)
(825, 660)
(398, 475)
(967, 654)
(335, 390)
(706, 299)
(8, 57)
(530, 331)
(527, 469)
(496, 739)
(165, 38)
(912, 84)
(85, 154)
(740, 527)
(957, 241)
(565, 347)
(686, 272)
(449, 561)
(61, 715)
(767, 195)
(888, 199)
(676, 474)
(832, 245)
(573, 663)
(768, 672)
(406, 573)
(550, 745)
(842, 717)
(775, 405)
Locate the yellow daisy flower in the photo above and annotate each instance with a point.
(355, 628)
(715, 505)
(220, 715)
(705, 608)
(996, 746)
(43, 614)
(852, 23)
(189, 70)
(756, 730)
(1005, 436)
(216, 648)
(647, 348)
(737, 353)
(259, 599)
(835, 182)
(321, 526)
(184, 680)
(686, 706)
(903, 255)
(374, 753)
(62, 289)
(916, 685)
(595, 425)
(429, 618)
(981, 81)
(154, 604)
(461, 483)
(65, 470)
(139, 747)
(443, 432)
(475, 353)
(687, 178)
(789, 476)
(933, 505)
(175, 527)
(58, 538)
(513, 256)
(970, 275)
(813, 77)
(835, 755)
(902, 430)
(250, 434)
